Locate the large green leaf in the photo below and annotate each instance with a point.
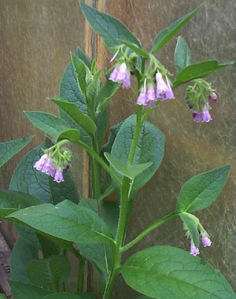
(78, 116)
(168, 33)
(130, 171)
(9, 149)
(167, 272)
(22, 291)
(198, 70)
(182, 54)
(29, 180)
(65, 221)
(11, 201)
(50, 272)
(69, 90)
(111, 29)
(47, 122)
(21, 255)
(150, 148)
(202, 190)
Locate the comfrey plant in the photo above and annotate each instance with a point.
(43, 200)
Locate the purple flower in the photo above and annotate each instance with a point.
(213, 97)
(121, 75)
(45, 165)
(59, 175)
(206, 241)
(151, 96)
(163, 91)
(141, 100)
(202, 116)
(39, 165)
(194, 250)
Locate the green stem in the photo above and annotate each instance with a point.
(80, 282)
(119, 238)
(126, 186)
(96, 172)
(136, 134)
(148, 230)
(100, 161)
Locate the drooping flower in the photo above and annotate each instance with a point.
(202, 116)
(193, 249)
(164, 90)
(151, 96)
(46, 165)
(213, 97)
(59, 175)
(142, 98)
(121, 74)
(206, 241)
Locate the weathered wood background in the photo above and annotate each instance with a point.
(36, 38)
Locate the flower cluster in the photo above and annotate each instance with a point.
(198, 97)
(148, 96)
(55, 162)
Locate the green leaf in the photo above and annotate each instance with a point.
(167, 272)
(105, 93)
(191, 226)
(48, 246)
(69, 89)
(9, 149)
(136, 49)
(22, 290)
(150, 148)
(65, 221)
(21, 255)
(72, 135)
(168, 33)
(29, 180)
(81, 72)
(11, 201)
(2, 296)
(50, 272)
(92, 90)
(101, 255)
(202, 190)
(182, 54)
(110, 28)
(198, 70)
(130, 171)
(63, 296)
(78, 116)
(47, 122)
(102, 124)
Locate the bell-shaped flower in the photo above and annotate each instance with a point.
(193, 249)
(202, 116)
(164, 90)
(121, 74)
(151, 96)
(142, 98)
(213, 97)
(59, 175)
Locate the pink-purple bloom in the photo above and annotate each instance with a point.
(164, 90)
(46, 165)
(193, 249)
(202, 116)
(148, 97)
(206, 241)
(213, 97)
(121, 74)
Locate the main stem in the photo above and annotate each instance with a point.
(126, 185)
(96, 172)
